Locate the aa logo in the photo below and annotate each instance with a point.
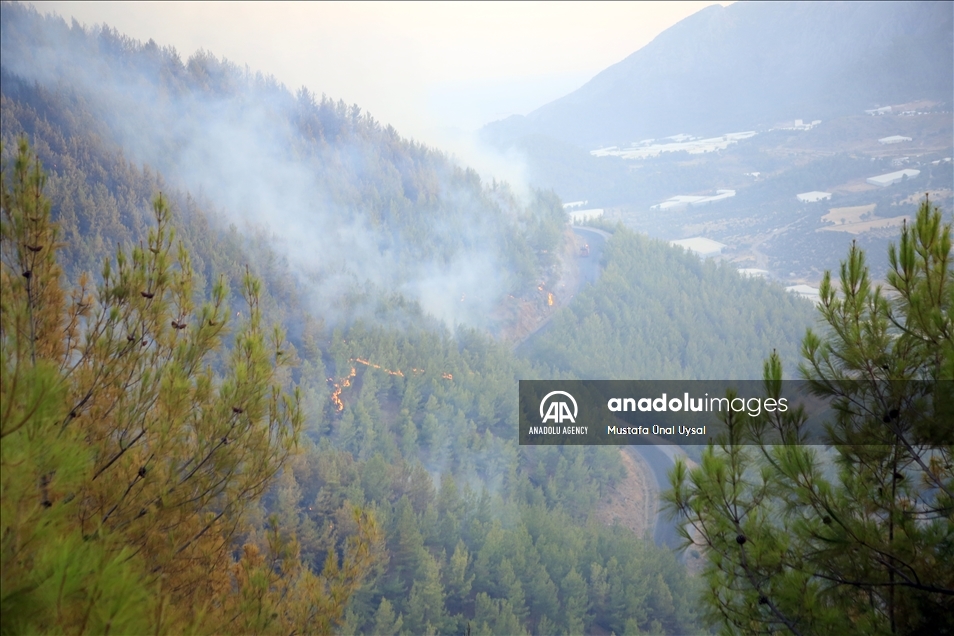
(558, 411)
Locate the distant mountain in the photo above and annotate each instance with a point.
(756, 64)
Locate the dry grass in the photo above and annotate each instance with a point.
(852, 187)
(522, 317)
(867, 226)
(854, 214)
(632, 502)
(934, 195)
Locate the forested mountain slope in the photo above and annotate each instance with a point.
(662, 313)
(354, 208)
(387, 265)
(400, 417)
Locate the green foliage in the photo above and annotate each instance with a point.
(128, 465)
(421, 210)
(856, 536)
(493, 545)
(656, 313)
(507, 553)
(385, 622)
(474, 532)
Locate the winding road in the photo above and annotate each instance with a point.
(659, 457)
(589, 272)
(596, 239)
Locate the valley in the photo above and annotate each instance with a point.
(261, 350)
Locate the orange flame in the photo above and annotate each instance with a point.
(393, 372)
(367, 363)
(338, 387)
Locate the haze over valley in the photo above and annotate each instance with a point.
(264, 345)
(768, 103)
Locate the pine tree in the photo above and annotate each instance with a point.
(575, 602)
(385, 622)
(457, 582)
(128, 463)
(54, 575)
(407, 552)
(859, 537)
(425, 605)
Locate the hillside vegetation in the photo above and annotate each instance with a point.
(135, 460)
(356, 469)
(356, 210)
(662, 313)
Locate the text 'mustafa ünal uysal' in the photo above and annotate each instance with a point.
(697, 412)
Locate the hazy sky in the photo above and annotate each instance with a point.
(433, 70)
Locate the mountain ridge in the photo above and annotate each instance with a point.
(755, 64)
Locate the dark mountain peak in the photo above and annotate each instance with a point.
(754, 64)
